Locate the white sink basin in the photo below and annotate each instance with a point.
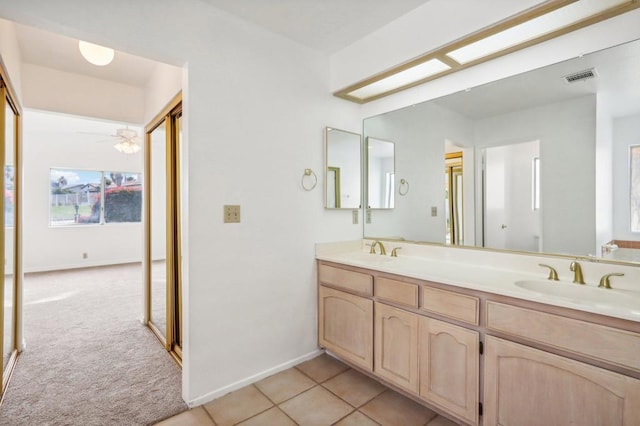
(583, 294)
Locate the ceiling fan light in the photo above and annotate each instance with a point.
(127, 147)
(96, 54)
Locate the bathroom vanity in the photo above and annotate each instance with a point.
(483, 337)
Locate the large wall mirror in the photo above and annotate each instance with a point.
(536, 162)
(343, 169)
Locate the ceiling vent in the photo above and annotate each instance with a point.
(581, 76)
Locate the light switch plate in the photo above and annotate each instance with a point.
(434, 211)
(354, 217)
(368, 216)
(231, 214)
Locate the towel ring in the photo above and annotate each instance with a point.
(404, 187)
(309, 186)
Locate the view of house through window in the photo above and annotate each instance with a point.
(76, 197)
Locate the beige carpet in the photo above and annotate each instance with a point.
(89, 360)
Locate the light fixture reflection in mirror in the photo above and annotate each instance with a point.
(343, 153)
(568, 191)
(380, 174)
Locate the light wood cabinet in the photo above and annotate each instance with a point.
(345, 326)
(397, 292)
(365, 313)
(525, 386)
(449, 367)
(608, 344)
(396, 346)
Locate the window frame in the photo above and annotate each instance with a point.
(103, 189)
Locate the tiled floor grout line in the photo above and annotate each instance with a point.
(208, 414)
(277, 405)
(316, 384)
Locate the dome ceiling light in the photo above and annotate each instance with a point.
(96, 54)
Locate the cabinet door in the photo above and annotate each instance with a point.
(396, 346)
(525, 386)
(449, 367)
(345, 326)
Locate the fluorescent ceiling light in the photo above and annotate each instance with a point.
(532, 29)
(400, 79)
(96, 54)
(551, 18)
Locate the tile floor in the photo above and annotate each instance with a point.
(321, 391)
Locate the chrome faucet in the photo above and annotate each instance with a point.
(383, 252)
(575, 267)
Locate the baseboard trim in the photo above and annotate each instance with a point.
(67, 267)
(210, 396)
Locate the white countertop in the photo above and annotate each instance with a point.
(441, 268)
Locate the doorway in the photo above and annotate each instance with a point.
(163, 266)
(454, 191)
(512, 208)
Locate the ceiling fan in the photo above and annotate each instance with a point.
(129, 142)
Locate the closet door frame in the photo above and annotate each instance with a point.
(169, 116)
(8, 98)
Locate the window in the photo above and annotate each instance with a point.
(634, 195)
(535, 184)
(76, 197)
(9, 196)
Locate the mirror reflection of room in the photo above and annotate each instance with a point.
(343, 169)
(563, 198)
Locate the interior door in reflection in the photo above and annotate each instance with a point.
(512, 220)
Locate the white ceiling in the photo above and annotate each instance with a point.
(325, 25)
(59, 52)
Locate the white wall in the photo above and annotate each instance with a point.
(52, 90)
(566, 131)
(626, 132)
(164, 84)
(47, 144)
(10, 55)
(255, 108)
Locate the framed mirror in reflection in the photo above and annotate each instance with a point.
(343, 169)
(380, 174)
(541, 160)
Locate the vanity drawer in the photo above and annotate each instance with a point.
(596, 341)
(397, 292)
(347, 280)
(451, 305)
